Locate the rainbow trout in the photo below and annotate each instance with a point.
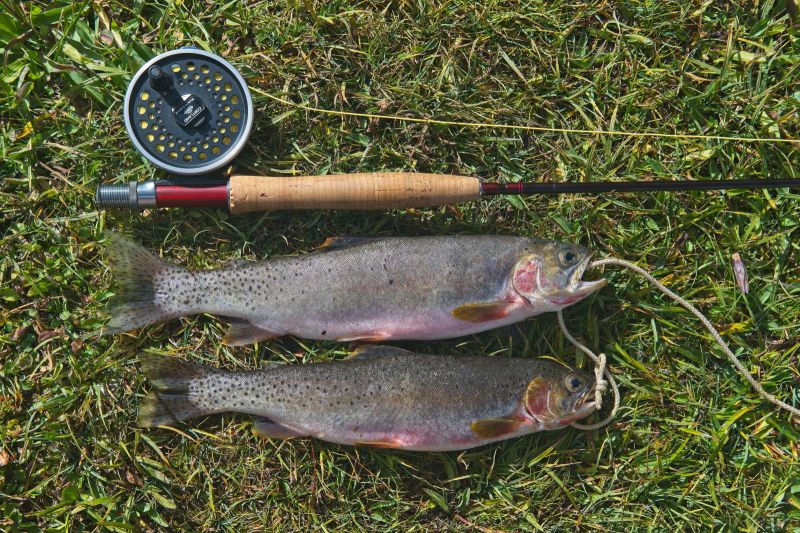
(419, 288)
(383, 396)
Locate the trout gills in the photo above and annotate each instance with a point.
(367, 289)
(383, 396)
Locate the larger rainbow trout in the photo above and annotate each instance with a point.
(383, 396)
(420, 288)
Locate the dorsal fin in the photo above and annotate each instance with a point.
(369, 352)
(336, 243)
(236, 263)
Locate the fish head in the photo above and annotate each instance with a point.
(550, 279)
(561, 398)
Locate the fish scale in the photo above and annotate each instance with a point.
(373, 289)
(384, 396)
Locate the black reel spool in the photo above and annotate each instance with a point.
(188, 112)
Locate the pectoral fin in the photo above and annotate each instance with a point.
(490, 428)
(266, 428)
(243, 332)
(485, 312)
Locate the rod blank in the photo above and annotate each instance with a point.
(634, 186)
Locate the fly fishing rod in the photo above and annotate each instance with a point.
(189, 112)
(369, 191)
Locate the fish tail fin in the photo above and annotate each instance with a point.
(176, 393)
(135, 270)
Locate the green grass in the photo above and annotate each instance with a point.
(692, 447)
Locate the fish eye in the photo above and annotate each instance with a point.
(573, 383)
(568, 257)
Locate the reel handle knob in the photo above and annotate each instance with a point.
(159, 80)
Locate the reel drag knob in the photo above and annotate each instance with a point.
(188, 112)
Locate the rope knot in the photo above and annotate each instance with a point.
(600, 384)
(600, 372)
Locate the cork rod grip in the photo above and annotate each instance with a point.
(355, 192)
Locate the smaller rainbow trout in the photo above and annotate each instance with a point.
(382, 396)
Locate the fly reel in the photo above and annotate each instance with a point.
(188, 112)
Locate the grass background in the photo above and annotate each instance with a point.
(692, 447)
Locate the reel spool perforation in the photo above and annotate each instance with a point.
(190, 116)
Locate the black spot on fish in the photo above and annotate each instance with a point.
(391, 282)
(324, 331)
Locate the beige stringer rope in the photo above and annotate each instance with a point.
(600, 360)
(601, 385)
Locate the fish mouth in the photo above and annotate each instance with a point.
(583, 408)
(586, 407)
(579, 287)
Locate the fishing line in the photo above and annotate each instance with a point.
(600, 368)
(541, 129)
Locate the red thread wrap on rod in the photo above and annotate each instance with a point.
(170, 194)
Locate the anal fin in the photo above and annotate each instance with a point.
(483, 312)
(266, 428)
(243, 332)
(490, 428)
